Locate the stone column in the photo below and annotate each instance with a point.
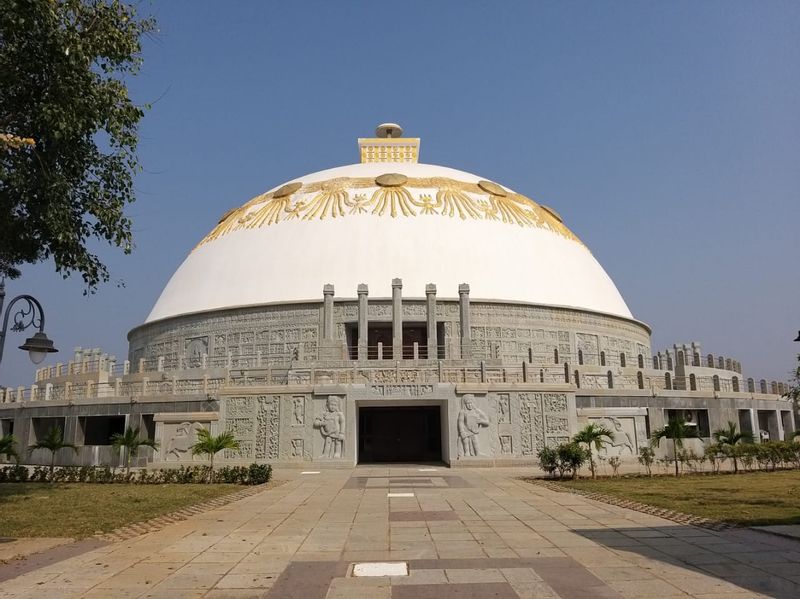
(463, 313)
(363, 292)
(327, 312)
(779, 433)
(430, 295)
(397, 319)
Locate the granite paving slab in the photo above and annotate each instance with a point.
(465, 533)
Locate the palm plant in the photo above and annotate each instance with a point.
(52, 441)
(677, 430)
(593, 434)
(729, 437)
(131, 441)
(210, 445)
(8, 447)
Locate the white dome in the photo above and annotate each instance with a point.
(430, 224)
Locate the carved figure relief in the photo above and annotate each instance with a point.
(332, 427)
(470, 421)
(195, 349)
(505, 444)
(297, 448)
(184, 437)
(299, 411)
(503, 408)
(624, 429)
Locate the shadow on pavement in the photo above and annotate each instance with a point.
(690, 556)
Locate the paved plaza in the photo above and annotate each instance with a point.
(463, 533)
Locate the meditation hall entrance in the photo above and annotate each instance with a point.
(399, 434)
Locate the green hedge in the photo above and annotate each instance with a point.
(254, 474)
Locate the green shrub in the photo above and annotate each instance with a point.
(14, 474)
(254, 474)
(548, 460)
(571, 457)
(647, 457)
(258, 474)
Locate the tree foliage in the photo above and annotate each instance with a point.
(793, 393)
(728, 438)
(68, 131)
(8, 447)
(593, 434)
(53, 441)
(131, 442)
(677, 430)
(210, 445)
(566, 458)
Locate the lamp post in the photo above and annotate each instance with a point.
(30, 314)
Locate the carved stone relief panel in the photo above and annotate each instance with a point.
(255, 424)
(298, 410)
(472, 423)
(345, 312)
(556, 418)
(331, 423)
(298, 446)
(177, 439)
(418, 311)
(532, 423)
(624, 430)
(268, 427)
(505, 445)
(544, 420)
(503, 408)
(588, 344)
(379, 310)
(195, 348)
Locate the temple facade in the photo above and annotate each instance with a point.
(389, 311)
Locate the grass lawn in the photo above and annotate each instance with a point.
(753, 498)
(81, 509)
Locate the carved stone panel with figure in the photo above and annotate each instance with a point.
(624, 431)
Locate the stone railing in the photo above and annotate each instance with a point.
(208, 381)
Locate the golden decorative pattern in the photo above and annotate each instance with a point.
(380, 149)
(392, 195)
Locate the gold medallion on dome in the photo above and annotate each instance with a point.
(552, 212)
(391, 180)
(227, 214)
(287, 190)
(492, 188)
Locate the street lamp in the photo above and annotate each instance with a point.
(798, 336)
(29, 315)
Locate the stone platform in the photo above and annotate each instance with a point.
(473, 533)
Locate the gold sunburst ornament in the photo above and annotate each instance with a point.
(390, 195)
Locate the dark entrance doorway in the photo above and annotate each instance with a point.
(399, 434)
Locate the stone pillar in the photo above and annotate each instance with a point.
(327, 312)
(328, 347)
(363, 293)
(463, 314)
(430, 295)
(397, 319)
(779, 432)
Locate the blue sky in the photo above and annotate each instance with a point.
(666, 134)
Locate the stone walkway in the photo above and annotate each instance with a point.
(464, 534)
